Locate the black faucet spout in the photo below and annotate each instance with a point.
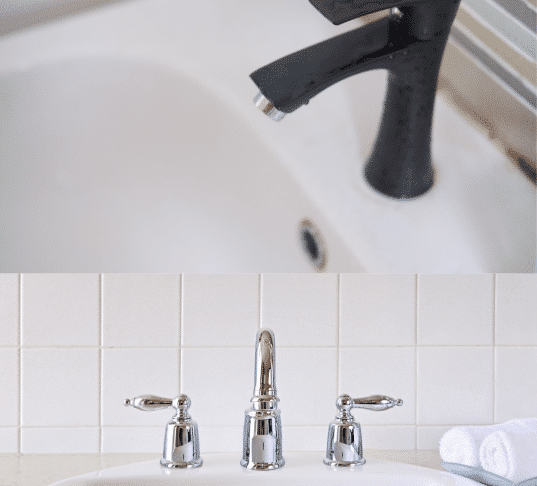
(409, 43)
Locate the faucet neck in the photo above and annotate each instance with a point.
(265, 365)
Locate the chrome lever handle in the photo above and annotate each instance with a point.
(181, 439)
(150, 403)
(344, 443)
(377, 403)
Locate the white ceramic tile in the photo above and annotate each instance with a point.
(305, 438)
(455, 385)
(128, 373)
(387, 371)
(220, 382)
(60, 440)
(516, 385)
(133, 439)
(516, 309)
(455, 309)
(9, 384)
(395, 437)
(9, 439)
(220, 439)
(306, 384)
(9, 309)
(220, 310)
(429, 437)
(140, 310)
(377, 310)
(301, 309)
(60, 309)
(60, 387)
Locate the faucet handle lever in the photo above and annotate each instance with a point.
(344, 443)
(150, 403)
(377, 403)
(181, 439)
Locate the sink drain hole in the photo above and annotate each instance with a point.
(313, 244)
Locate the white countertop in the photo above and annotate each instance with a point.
(45, 469)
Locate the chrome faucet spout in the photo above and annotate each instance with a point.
(265, 364)
(262, 437)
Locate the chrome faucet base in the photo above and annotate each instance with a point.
(181, 438)
(343, 463)
(344, 442)
(262, 466)
(262, 440)
(175, 465)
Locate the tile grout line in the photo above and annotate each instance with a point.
(494, 298)
(416, 362)
(181, 328)
(338, 323)
(181, 285)
(101, 377)
(259, 300)
(19, 341)
(280, 346)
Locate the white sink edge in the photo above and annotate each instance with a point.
(299, 467)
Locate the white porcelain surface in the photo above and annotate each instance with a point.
(300, 308)
(300, 468)
(455, 309)
(9, 309)
(220, 310)
(57, 440)
(142, 151)
(140, 310)
(60, 309)
(516, 309)
(455, 385)
(130, 372)
(52, 395)
(380, 371)
(515, 382)
(377, 310)
(9, 384)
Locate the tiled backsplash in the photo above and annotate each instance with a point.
(458, 349)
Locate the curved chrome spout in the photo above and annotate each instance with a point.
(265, 364)
(262, 437)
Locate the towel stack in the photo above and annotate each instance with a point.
(508, 449)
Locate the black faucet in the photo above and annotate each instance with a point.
(409, 43)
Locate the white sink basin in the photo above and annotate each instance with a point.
(130, 142)
(126, 165)
(301, 468)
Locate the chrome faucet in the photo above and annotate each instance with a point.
(262, 436)
(344, 443)
(181, 440)
(409, 43)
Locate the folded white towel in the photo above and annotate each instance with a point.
(461, 444)
(512, 455)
